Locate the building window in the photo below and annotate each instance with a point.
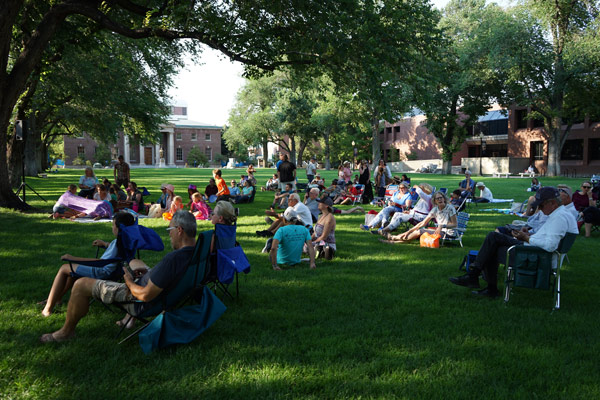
(194, 136)
(537, 150)
(81, 151)
(572, 150)
(178, 136)
(207, 137)
(473, 151)
(594, 149)
(208, 153)
(521, 117)
(179, 154)
(396, 133)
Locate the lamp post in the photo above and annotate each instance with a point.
(355, 150)
(481, 151)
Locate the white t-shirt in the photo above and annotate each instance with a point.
(311, 169)
(549, 235)
(303, 213)
(487, 194)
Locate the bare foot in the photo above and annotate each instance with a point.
(55, 337)
(46, 313)
(276, 269)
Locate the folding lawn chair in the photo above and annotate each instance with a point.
(184, 289)
(459, 231)
(359, 190)
(227, 260)
(532, 267)
(133, 238)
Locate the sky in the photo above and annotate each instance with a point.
(208, 89)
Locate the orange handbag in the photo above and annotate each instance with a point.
(430, 240)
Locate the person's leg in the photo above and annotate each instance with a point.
(397, 219)
(275, 225)
(62, 283)
(79, 304)
(357, 209)
(381, 217)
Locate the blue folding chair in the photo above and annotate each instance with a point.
(227, 260)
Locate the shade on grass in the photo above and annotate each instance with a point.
(378, 321)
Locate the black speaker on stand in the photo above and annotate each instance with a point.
(20, 135)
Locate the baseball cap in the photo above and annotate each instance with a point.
(480, 184)
(290, 214)
(545, 193)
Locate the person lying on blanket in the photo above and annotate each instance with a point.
(65, 277)
(147, 287)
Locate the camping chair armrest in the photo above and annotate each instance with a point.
(98, 247)
(92, 263)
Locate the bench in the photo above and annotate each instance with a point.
(527, 174)
(500, 174)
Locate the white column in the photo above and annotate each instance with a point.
(157, 154)
(126, 148)
(142, 162)
(171, 161)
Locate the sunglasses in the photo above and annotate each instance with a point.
(171, 228)
(585, 187)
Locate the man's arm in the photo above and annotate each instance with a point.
(115, 173)
(143, 293)
(311, 254)
(273, 254)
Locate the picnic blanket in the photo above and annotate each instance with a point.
(93, 208)
(497, 200)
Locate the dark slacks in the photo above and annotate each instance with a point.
(491, 252)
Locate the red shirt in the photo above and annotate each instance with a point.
(581, 201)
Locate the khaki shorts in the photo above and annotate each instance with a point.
(113, 292)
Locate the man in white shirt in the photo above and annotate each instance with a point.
(485, 194)
(303, 214)
(548, 237)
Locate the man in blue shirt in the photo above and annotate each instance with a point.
(286, 248)
(467, 185)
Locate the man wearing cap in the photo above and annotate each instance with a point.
(485, 194)
(467, 185)
(290, 238)
(121, 172)
(311, 169)
(549, 235)
(418, 213)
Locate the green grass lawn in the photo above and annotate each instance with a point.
(379, 321)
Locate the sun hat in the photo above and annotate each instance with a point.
(170, 187)
(480, 184)
(193, 187)
(426, 187)
(327, 201)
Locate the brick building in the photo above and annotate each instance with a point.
(501, 141)
(176, 139)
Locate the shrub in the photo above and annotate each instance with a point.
(196, 157)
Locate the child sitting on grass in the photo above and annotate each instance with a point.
(176, 205)
(199, 208)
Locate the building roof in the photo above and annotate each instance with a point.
(494, 116)
(187, 123)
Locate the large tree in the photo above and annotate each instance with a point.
(263, 34)
(460, 84)
(117, 84)
(547, 53)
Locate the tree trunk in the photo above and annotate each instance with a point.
(303, 144)
(375, 146)
(446, 167)
(265, 147)
(327, 151)
(293, 150)
(553, 154)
